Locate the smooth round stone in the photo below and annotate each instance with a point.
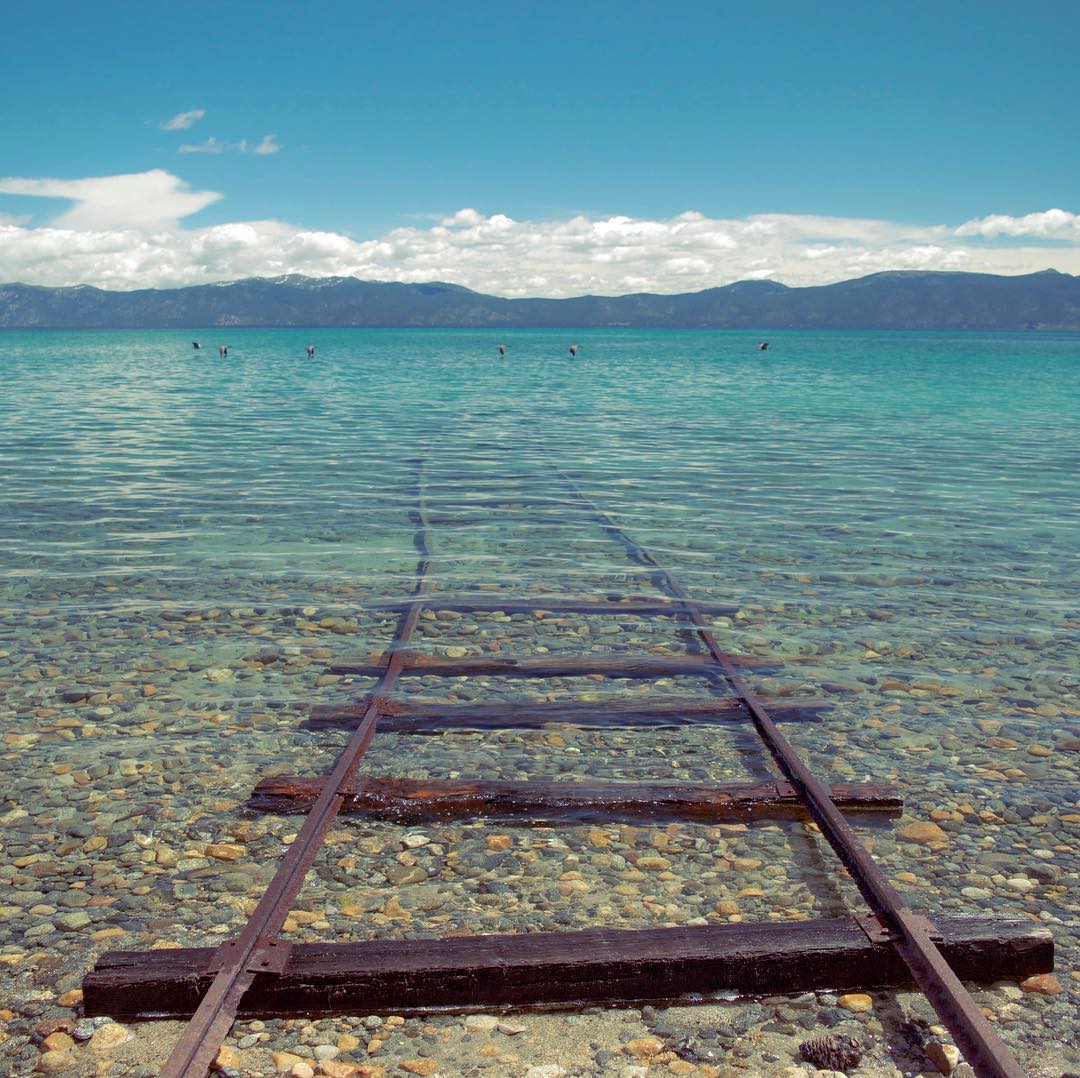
(1021, 884)
(856, 1002)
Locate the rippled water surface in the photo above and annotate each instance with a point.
(187, 542)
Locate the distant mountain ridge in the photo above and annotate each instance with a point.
(894, 300)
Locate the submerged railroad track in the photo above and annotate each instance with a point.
(259, 974)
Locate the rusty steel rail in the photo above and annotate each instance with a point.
(911, 934)
(257, 948)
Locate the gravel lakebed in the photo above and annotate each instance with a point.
(135, 730)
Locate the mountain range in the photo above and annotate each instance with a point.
(895, 300)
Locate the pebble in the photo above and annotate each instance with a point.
(86, 1027)
(653, 864)
(228, 1058)
(480, 1023)
(645, 1047)
(76, 920)
(53, 1062)
(284, 1061)
(223, 851)
(925, 832)
(1021, 883)
(419, 1066)
(108, 1037)
(1045, 984)
(944, 1056)
(856, 1002)
(333, 1068)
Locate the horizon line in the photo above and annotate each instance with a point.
(281, 277)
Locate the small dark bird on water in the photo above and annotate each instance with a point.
(573, 349)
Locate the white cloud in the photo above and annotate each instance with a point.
(267, 145)
(154, 199)
(211, 145)
(463, 218)
(183, 120)
(124, 232)
(1050, 224)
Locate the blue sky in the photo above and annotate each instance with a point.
(396, 115)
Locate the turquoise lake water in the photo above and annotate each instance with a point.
(892, 515)
(866, 456)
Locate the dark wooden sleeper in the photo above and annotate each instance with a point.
(559, 970)
(419, 800)
(404, 716)
(620, 664)
(555, 605)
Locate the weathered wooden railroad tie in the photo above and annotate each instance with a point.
(560, 969)
(259, 974)
(418, 717)
(420, 800)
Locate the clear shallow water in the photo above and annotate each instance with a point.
(128, 453)
(893, 514)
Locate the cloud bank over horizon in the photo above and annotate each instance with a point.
(125, 232)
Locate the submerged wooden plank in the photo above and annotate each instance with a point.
(461, 517)
(416, 801)
(499, 501)
(554, 605)
(616, 664)
(564, 969)
(417, 716)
